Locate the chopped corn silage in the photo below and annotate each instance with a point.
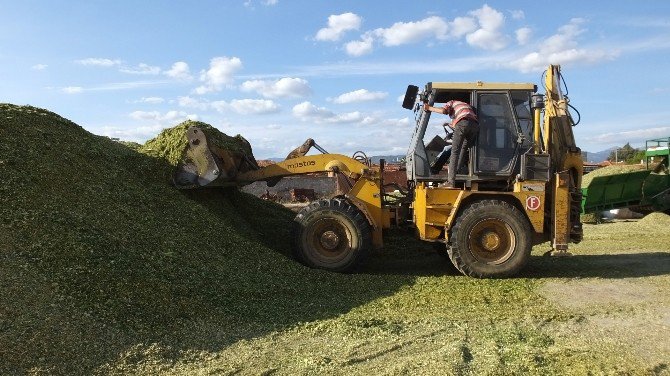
(98, 252)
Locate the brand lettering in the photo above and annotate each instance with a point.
(301, 164)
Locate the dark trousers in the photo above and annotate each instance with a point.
(465, 135)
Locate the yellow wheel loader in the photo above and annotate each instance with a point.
(521, 185)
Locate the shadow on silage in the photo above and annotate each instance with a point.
(260, 221)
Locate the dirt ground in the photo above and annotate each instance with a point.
(633, 312)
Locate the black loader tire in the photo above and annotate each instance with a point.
(332, 235)
(490, 239)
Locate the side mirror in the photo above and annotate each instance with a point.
(410, 97)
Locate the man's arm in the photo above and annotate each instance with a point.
(440, 110)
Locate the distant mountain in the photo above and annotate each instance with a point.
(600, 156)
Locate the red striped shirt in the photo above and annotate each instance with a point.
(458, 111)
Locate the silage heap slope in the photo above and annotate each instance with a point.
(99, 253)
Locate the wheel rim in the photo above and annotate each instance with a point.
(492, 241)
(330, 241)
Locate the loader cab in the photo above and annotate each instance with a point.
(505, 122)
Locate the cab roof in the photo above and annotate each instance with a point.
(479, 85)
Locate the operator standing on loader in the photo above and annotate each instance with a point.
(466, 129)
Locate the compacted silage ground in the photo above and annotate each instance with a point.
(105, 268)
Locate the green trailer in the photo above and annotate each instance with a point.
(645, 190)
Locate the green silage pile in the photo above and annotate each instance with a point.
(99, 253)
(608, 171)
(656, 221)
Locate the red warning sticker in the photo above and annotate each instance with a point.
(533, 203)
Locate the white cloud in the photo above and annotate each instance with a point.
(461, 26)
(565, 38)
(401, 33)
(286, 87)
(360, 47)
(99, 62)
(141, 68)
(562, 48)
(170, 116)
(338, 25)
(219, 74)
(240, 106)
(414, 65)
(150, 100)
(39, 67)
(306, 111)
(482, 28)
(72, 89)
(411, 32)
(489, 36)
(633, 136)
(114, 86)
(378, 121)
(254, 106)
(144, 115)
(270, 2)
(193, 103)
(180, 71)
(247, 106)
(517, 14)
(523, 35)
(361, 95)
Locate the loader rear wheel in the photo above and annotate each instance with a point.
(490, 239)
(332, 235)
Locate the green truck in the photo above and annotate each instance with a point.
(645, 191)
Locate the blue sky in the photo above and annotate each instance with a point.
(280, 71)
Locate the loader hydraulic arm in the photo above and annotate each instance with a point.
(567, 165)
(332, 163)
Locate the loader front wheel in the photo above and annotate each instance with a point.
(332, 235)
(490, 239)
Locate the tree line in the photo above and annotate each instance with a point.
(627, 154)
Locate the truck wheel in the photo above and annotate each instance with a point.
(490, 239)
(332, 235)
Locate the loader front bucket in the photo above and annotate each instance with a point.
(212, 159)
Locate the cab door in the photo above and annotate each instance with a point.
(498, 142)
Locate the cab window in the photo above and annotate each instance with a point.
(497, 134)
